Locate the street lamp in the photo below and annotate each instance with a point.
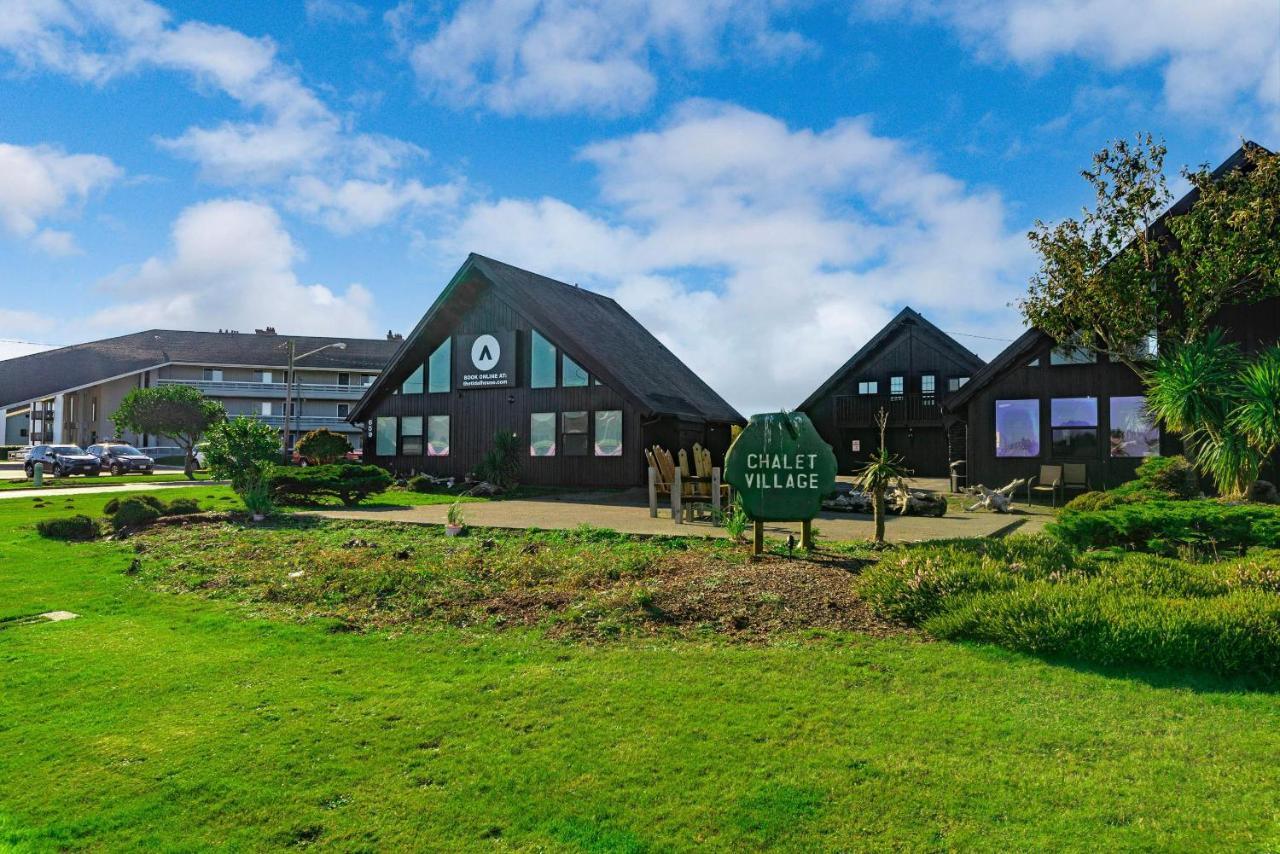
(288, 381)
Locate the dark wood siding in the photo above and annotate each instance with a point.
(1253, 327)
(916, 430)
(476, 414)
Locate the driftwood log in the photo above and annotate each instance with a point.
(899, 499)
(998, 500)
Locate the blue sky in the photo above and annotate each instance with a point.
(762, 182)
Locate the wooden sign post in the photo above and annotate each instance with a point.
(782, 470)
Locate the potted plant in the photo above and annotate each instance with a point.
(454, 522)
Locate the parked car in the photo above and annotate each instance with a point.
(354, 455)
(62, 461)
(119, 458)
(18, 455)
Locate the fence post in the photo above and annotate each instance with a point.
(715, 493)
(653, 493)
(757, 548)
(676, 489)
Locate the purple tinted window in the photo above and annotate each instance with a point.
(1017, 428)
(1133, 431)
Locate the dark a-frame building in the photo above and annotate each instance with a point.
(577, 379)
(908, 369)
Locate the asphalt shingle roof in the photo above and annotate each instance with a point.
(622, 352)
(42, 374)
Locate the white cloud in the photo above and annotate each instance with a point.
(291, 133)
(766, 255)
(356, 204)
(19, 325)
(335, 12)
(232, 267)
(560, 56)
(42, 182)
(1212, 54)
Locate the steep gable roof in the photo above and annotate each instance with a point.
(596, 330)
(905, 318)
(42, 374)
(1012, 356)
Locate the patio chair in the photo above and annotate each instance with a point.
(1049, 480)
(1075, 477)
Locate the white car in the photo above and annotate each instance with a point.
(19, 455)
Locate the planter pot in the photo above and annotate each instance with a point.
(452, 530)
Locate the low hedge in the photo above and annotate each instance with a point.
(1156, 479)
(350, 483)
(133, 511)
(74, 528)
(1168, 527)
(1036, 595)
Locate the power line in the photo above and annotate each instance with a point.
(983, 337)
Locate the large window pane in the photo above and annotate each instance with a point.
(413, 385)
(609, 433)
(385, 446)
(575, 376)
(440, 367)
(438, 436)
(411, 436)
(542, 362)
(868, 387)
(1073, 412)
(542, 434)
(1133, 431)
(1017, 428)
(1074, 424)
(896, 386)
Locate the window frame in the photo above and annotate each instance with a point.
(378, 436)
(412, 444)
(565, 361)
(1153, 426)
(1067, 431)
(897, 386)
(568, 448)
(428, 444)
(1037, 431)
(595, 438)
(534, 338)
(431, 386)
(555, 432)
(867, 388)
(421, 373)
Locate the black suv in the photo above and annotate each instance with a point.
(119, 458)
(62, 461)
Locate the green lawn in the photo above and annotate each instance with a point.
(178, 721)
(51, 482)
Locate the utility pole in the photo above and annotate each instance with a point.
(288, 396)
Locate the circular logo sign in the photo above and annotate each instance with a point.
(485, 353)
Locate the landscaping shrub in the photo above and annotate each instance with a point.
(134, 512)
(78, 527)
(424, 483)
(349, 482)
(1238, 633)
(323, 446)
(1168, 527)
(1113, 607)
(1173, 476)
(182, 507)
(501, 463)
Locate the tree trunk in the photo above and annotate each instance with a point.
(877, 508)
(189, 464)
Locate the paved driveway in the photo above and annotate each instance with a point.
(629, 513)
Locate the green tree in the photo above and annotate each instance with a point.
(323, 446)
(1111, 278)
(1225, 407)
(179, 412)
(243, 450)
(501, 463)
(878, 474)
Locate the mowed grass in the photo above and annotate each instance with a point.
(51, 482)
(179, 722)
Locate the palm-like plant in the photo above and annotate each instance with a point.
(1226, 410)
(878, 474)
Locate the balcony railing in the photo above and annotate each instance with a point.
(221, 388)
(302, 422)
(861, 409)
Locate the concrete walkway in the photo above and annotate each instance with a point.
(140, 486)
(628, 512)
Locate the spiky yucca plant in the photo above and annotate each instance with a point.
(1223, 406)
(878, 474)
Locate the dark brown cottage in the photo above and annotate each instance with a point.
(908, 369)
(580, 382)
(1038, 403)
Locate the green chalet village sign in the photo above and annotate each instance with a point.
(782, 470)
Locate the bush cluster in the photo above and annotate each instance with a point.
(1156, 479)
(348, 482)
(77, 528)
(136, 511)
(1037, 595)
(1171, 527)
